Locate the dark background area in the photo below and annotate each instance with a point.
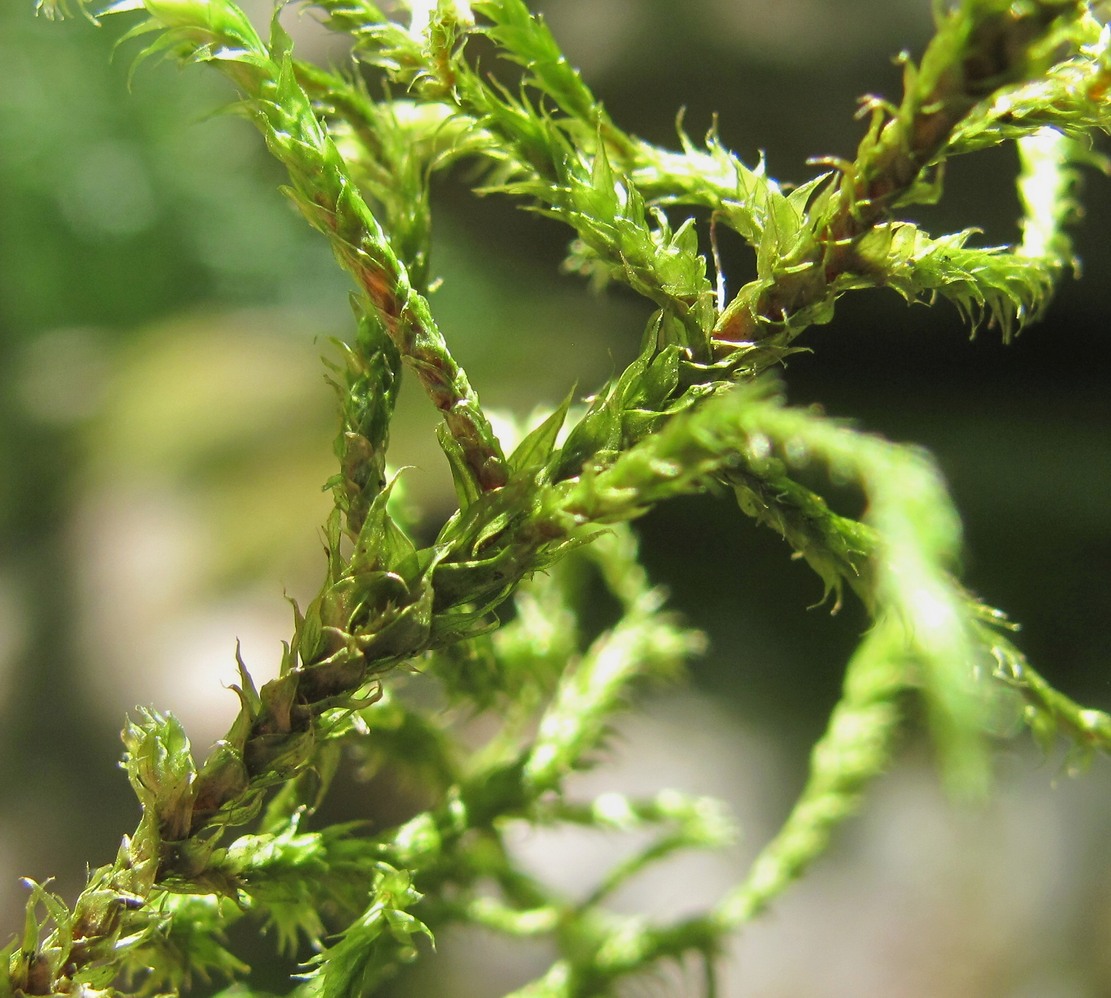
(164, 426)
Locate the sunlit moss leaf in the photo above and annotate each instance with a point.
(1047, 183)
(534, 451)
(1049, 713)
(294, 879)
(467, 487)
(1008, 287)
(185, 944)
(525, 39)
(56, 10)
(1070, 95)
(382, 544)
(366, 953)
(46, 943)
(160, 766)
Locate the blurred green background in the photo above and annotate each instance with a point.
(165, 430)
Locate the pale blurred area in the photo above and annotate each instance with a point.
(915, 898)
(166, 429)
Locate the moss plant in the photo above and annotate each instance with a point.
(699, 409)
